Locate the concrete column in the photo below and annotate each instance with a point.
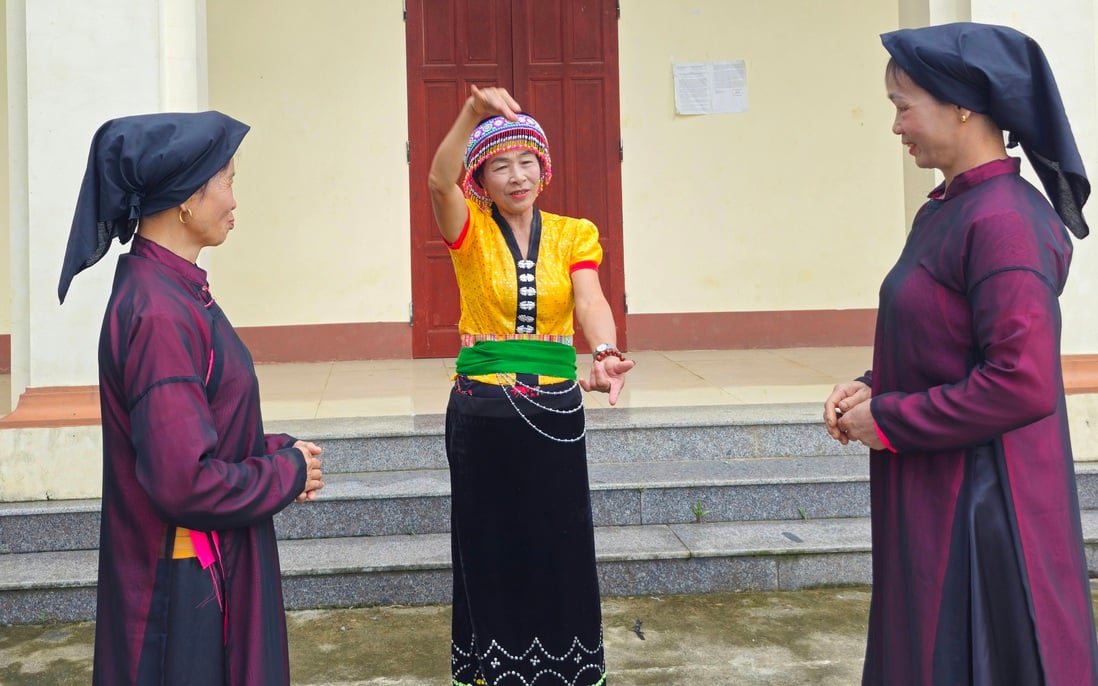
(183, 67)
(72, 66)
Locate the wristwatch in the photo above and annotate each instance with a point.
(604, 350)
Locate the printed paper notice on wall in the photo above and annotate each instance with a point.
(710, 87)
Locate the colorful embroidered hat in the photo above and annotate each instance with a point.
(496, 135)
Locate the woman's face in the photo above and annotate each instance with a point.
(212, 208)
(926, 125)
(512, 180)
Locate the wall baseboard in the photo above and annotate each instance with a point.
(1080, 373)
(748, 330)
(54, 406)
(328, 342)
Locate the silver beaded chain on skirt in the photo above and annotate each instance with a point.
(509, 382)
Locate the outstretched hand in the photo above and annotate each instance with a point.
(494, 101)
(607, 376)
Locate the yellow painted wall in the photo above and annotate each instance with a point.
(794, 204)
(322, 185)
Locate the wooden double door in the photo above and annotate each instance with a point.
(559, 58)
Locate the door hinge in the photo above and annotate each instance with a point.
(621, 151)
(625, 303)
(411, 313)
(617, 7)
(404, 7)
(408, 152)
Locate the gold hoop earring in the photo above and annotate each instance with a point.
(964, 118)
(190, 215)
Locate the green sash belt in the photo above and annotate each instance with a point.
(518, 357)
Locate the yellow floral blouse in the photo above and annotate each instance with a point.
(489, 280)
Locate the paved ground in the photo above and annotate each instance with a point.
(776, 639)
(743, 639)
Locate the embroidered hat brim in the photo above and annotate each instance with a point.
(496, 135)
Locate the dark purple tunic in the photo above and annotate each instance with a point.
(183, 445)
(979, 575)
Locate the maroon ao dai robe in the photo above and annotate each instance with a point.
(979, 574)
(183, 445)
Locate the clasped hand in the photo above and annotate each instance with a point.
(853, 420)
(314, 478)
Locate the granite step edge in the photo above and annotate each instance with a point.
(303, 557)
(376, 554)
(435, 482)
(413, 483)
(597, 419)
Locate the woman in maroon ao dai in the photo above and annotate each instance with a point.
(189, 583)
(979, 573)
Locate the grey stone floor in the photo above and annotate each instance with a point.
(778, 639)
(784, 638)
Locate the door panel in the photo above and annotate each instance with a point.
(450, 44)
(566, 74)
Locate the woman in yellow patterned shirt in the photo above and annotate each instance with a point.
(526, 597)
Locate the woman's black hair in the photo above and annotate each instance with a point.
(894, 71)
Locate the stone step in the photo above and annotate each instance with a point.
(415, 569)
(418, 501)
(385, 503)
(649, 434)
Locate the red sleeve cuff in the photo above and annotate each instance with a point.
(464, 232)
(586, 264)
(884, 439)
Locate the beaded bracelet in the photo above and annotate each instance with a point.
(609, 352)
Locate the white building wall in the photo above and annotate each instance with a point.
(752, 211)
(802, 202)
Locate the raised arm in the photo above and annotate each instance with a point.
(443, 179)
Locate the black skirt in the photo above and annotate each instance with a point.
(526, 597)
(195, 642)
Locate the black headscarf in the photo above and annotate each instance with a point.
(138, 166)
(1000, 72)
